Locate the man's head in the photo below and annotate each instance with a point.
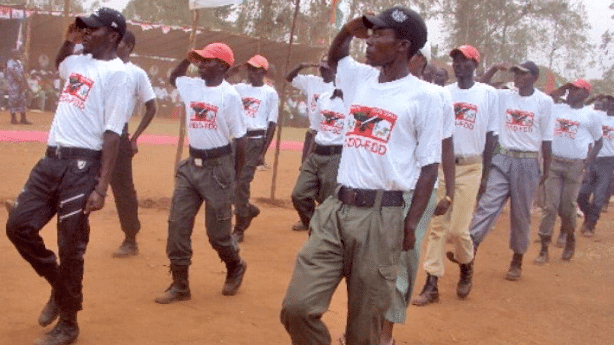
(418, 62)
(608, 104)
(578, 91)
(104, 30)
(465, 60)
(429, 73)
(213, 60)
(257, 67)
(441, 77)
(397, 32)
(525, 75)
(326, 72)
(126, 45)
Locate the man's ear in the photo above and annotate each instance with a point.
(404, 45)
(114, 37)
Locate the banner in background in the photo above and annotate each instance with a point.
(195, 4)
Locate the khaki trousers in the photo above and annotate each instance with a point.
(360, 244)
(455, 223)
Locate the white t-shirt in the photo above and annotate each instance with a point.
(607, 126)
(331, 113)
(448, 112)
(524, 122)
(392, 129)
(260, 105)
(140, 85)
(313, 86)
(92, 101)
(214, 115)
(475, 113)
(574, 131)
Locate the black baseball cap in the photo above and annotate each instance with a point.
(104, 16)
(407, 24)
(527, 66)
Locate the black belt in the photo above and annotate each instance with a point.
(328, 150)
(255, 133)
(212, 153)
(72, 153)
(366, 197)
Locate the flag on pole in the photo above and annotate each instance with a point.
(336, 15)
(196, 4)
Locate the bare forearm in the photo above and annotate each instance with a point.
(340, 47)
(240, 146)
(179, 71)
(448, 165)
(65, 51)
(290, 77)
(488, 75)
(110, 145)
(150, 112)
(489, 148)
(547, 155)
(269, 136)
(592, 154)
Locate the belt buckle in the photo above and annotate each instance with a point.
(198, 162)
(58, 152)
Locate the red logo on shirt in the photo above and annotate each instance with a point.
(566, 128)
(203, 115)
(332, 122)
(519, 120)
(465, 114)
(370, 128)
(77, 90)
(250, 106)
(608, 132)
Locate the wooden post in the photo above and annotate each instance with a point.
(182, 120)
(282, 101)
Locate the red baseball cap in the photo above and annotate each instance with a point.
(259, 61)
(216, 50)
(582, 84)
(468, 51)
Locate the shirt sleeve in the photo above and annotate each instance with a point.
(184, 85)
(273, 107)
(67, 65)
(145, 90)
(314, 124)
(595, 128)
(448, 114)
(547, 120)
(115, 102)
(429, 129)
(236, 120)
(301, 82)
(351, 74)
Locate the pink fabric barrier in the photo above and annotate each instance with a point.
(35, 136)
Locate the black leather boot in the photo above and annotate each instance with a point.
(570, 247)
(234, 278)
(542, 258)
(429, 294)
(466, 280)
(515, 269)
(65, 332)
(179, 289)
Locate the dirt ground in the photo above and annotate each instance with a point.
(559, 303)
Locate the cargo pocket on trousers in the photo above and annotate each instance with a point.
(222, 176)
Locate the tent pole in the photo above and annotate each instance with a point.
(282, 101)
(182, 120)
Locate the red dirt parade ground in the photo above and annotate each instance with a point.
(558, 303)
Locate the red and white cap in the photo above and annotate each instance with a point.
(216, 50)
(468, 51)
(259, 61)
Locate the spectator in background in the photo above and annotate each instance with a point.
(17, 88)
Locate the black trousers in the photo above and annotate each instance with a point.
(122, 185)
(62, 187)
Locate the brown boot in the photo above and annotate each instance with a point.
(50, 312)
(65, 332)
(179, 289)
(234, 278)
(515, 269)
(465, 281)
(570, 247)
(542, 258)
(429, 294)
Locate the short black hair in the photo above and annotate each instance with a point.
(129, 38)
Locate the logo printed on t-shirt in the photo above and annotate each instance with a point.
(77, 90)
(519, 120)
(370, 128)
(250, 106)
(332, 122)
(203, 115)
(566, 128)
(608, 132)
(465, 114)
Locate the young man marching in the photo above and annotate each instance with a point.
(260, 106)
(576, 129)
(214, 118)
(72, 179)
(122, 182)
(392, 139)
